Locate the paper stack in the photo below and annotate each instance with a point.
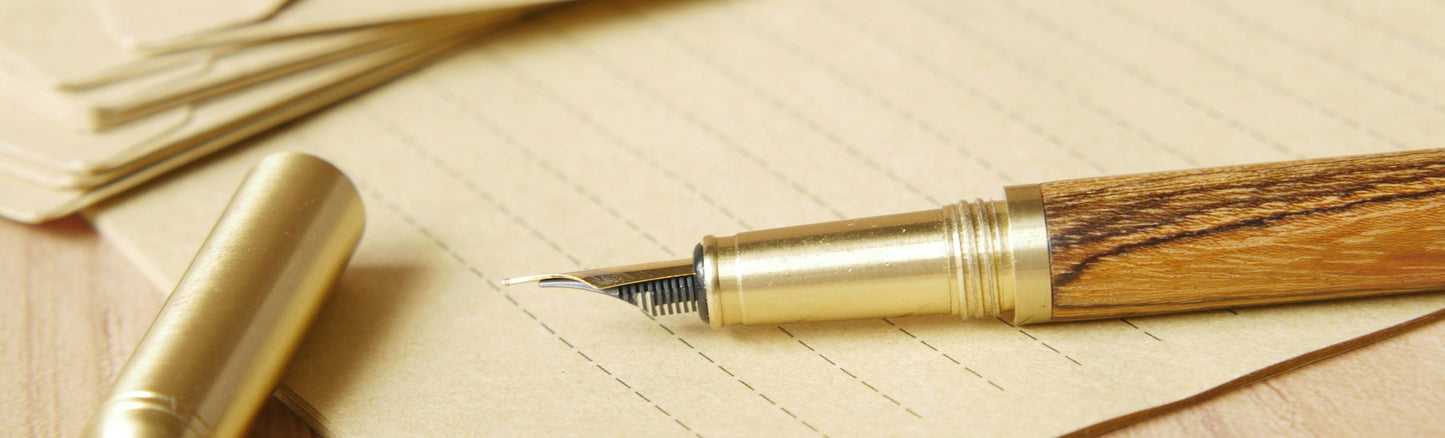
(98, 96)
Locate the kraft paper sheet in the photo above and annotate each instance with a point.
(617, 132)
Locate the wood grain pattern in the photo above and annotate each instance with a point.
(1247, 235)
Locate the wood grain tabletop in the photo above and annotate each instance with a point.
(72, 309)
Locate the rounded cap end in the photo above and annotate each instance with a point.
(142, 418)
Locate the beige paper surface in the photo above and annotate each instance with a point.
(57, 43)
(277, 103)
(232, 69)
(133, 22)
(51, 156)
(618, 132)
(78, 77)
(38, 149)
(151, 26)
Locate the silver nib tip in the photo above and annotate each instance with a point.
(658, 289)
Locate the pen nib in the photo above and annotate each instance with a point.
(662, 288)
(663, 296)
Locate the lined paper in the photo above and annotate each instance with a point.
(607, 133)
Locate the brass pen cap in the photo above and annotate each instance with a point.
(222, 341)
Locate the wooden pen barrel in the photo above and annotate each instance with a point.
(1246, 235)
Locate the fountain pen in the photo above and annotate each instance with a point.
(1093, 248)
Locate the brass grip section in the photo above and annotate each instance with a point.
(973, 259)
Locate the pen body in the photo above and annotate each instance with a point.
(1246, 235)
(1105, 247)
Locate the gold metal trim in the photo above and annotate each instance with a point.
(1028, 241)
(709, 279)
(980, 261)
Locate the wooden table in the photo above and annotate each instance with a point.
(73, 309)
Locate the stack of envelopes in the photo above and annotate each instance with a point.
(97, 96)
